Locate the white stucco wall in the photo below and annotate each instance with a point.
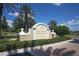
(38, 31)
(41, 31)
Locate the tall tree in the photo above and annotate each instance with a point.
(4, 24)
(19, 23)
(1, 18)
(1, 6)
(6, 6)
(52, 25)
(62, 30)
(0, 26)
(28, 15)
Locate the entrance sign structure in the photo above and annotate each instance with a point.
(38, 31)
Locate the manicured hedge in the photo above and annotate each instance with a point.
(7, 37)
(6, 45)
(49, 41)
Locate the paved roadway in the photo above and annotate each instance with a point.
(65, 48)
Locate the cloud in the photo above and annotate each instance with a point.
(14, 14)
(69, 22)
(76, 16)
(72, 20)
(73, 24)
(9, 23)
(57, 4)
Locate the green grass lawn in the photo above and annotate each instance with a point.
(72, 36)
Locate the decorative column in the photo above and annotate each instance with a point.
(21, 35)
(53, 33)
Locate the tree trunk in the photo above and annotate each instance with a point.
(26, 24)
(1, 7)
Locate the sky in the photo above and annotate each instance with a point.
(62, 13)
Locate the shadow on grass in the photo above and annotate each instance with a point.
(11, 49)
(15, 53)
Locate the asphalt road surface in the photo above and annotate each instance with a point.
(65, 48)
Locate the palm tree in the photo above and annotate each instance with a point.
(27, 14)
(52, 25)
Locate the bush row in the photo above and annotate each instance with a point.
(12, 45)
(8, 37)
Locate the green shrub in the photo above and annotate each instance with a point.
(6, 45)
